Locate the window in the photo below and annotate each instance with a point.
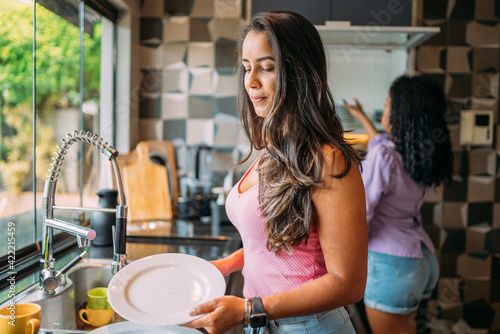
(50, 85)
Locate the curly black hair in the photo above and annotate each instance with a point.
(419, 130)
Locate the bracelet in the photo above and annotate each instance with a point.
(248, 312)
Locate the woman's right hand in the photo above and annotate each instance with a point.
(356, 110)
(218, 315)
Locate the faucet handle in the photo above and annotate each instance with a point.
(49, 280)
(71, 263)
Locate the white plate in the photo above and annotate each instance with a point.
(161, 289)
(133, 328)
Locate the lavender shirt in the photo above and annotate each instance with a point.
(393, 202)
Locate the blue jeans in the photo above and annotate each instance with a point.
(397, 284)
(332, 322)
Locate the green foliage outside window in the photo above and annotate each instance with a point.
(57, 85)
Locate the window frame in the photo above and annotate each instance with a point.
(118, 23)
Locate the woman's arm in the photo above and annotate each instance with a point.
(341, 223)
(231, 263)
(357, 111)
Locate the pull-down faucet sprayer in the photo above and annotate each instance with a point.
(49, 278)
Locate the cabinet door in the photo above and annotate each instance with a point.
(316, 11)
(371, 12)
(358, 12)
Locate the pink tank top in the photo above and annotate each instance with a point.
(264, 272)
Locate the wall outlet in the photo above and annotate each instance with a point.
(476, 127)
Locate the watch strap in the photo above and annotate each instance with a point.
(257, 306)
(259, 315)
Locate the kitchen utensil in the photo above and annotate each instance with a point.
(146, 185)
(97, 299)
(161, 289)
(96, 318)
(20, 318)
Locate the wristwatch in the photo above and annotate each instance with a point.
(258, 318)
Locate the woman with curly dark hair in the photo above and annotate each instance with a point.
(400, 169)
(300, 208)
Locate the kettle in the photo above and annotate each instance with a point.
(200, 164)
(102, 222)
(199, 182)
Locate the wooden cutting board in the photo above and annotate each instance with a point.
(166, 150)
(146, 187)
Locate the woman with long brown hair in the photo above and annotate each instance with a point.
(300, 208)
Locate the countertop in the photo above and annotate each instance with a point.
(147, 237)
(152, 237)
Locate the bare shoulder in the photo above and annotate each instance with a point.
(339, 189)
(335, 161)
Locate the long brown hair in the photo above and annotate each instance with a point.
(301, 121)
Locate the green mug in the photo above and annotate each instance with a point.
(97, 299)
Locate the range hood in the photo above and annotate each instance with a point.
(342, 34)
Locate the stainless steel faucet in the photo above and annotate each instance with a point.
(49, 278)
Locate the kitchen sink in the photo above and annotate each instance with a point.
(90, 274)
(60, 311)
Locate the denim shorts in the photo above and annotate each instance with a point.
(331, 322)
(397, 284)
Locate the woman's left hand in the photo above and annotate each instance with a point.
(220, 314)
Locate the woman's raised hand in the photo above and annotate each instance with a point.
(356, 110)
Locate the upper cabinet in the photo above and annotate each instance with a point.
(316, 11)
(358, 12)
(383, 24)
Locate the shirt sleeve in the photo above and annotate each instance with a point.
(376, 173)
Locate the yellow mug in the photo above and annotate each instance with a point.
(96, 318)
(97, 299)
(20, 318)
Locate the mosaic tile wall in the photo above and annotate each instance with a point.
(188, 90)
(188, 85)
(464, 216)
